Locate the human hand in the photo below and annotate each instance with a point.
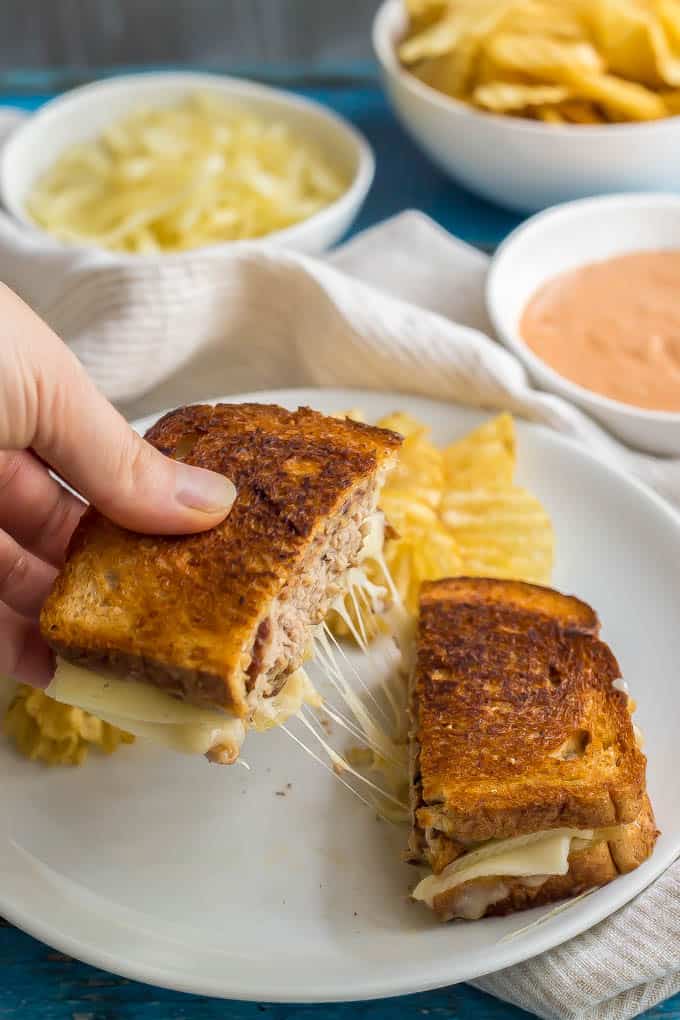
(52, 416)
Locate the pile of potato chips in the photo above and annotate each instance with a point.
(458, 512)
(557, 61)
(47, 731)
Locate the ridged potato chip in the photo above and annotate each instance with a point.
(672, 101)
(500, 533)
(501, 530)
(457, 511)
(620, 99)
(421, 554)
(580, 111)
(487, 456)
(551, 115)
(636, 42)
(47, 731)
(502, 97)
(607, 60)
(539, 57)
(419, 473)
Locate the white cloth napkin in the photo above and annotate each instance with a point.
(399, 308)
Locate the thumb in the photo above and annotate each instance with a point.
(71, 425)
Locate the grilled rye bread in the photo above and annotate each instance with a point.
(518, 729)
(219, 617)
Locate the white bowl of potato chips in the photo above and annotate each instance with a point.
(159, 163)
(534, 102)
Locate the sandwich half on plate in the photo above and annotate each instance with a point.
(191, 640)
(527, 781)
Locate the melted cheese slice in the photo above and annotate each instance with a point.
(153, 715)
(98, 693)
(541, 854)
(297, 691)
(187, 738)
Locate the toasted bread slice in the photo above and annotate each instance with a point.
(210, 618)
(526, 774)
(589, 868)
(517, 726)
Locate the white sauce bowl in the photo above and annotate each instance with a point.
(523, 164)
(83, 113)
(564, 238)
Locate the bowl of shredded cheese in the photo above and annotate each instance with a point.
(163, 163)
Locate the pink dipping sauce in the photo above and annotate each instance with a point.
(613, 327)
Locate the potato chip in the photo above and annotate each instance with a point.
(500, 529)
(629, 100)
(405, 424)
(425, 8)
(436, 40)
(500, 532)
(48, 731)
(621, 33)
(458, 511)
(578, 66)
(485, 457)
(580, 112)
(504, 97)
(447, 60)
(668, 13)
(420, 469)
(538, 17)
(672, 101)
(634, 42)
(551, 115)
(421, 554)
(614, 60)
(541, 57)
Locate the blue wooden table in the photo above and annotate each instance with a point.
(35, 981)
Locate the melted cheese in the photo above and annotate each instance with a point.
(297, 691)
(474, 901)
(374, 539)
(98, 694)
(187, 738)
(149, 713)
(541, 854)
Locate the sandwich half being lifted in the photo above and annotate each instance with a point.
(191, 640)
(527, 781)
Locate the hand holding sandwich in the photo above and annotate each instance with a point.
(52, 416)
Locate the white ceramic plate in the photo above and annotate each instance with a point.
(203, 879)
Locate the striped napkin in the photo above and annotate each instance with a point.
(399, 308)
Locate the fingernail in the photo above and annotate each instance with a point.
(204, 490)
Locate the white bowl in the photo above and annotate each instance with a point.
(523, 164)
(84, 112)
(561, 239)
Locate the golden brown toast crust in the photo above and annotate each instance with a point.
(179, 612)
(517, 724)
(588, 869)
